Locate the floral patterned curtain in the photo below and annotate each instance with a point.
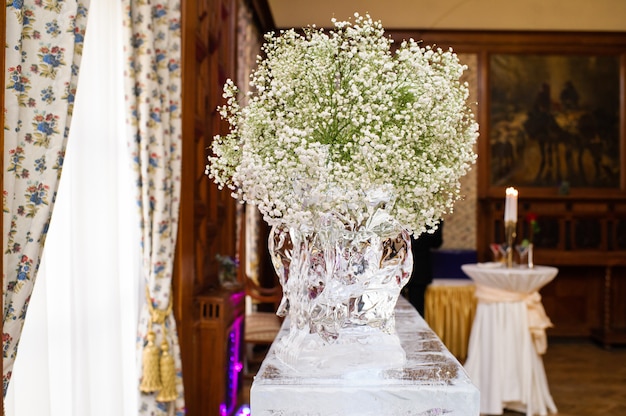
(153, 84)
(43, 53)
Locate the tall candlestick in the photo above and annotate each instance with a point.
(510, 205)
(510, 223)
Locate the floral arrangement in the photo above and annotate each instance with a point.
(336, 118)
(227, 269)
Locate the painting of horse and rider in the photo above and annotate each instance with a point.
(554, 120)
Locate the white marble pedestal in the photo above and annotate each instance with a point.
(431, 382)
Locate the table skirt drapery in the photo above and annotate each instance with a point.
(537, 320)
(518, 368)
(450, 306)
(503, 359)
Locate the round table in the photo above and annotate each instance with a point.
(508, 338)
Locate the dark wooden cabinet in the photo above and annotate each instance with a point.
(219, 328)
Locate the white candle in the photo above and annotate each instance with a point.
(510, 205)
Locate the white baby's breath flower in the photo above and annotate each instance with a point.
(336, 116)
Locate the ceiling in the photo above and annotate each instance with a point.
(597, 15)
(297, 14)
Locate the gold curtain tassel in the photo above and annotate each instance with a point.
(151, 381)
(168, 375)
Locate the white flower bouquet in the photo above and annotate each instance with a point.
(337, 117)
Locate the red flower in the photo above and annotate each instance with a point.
(531, 219)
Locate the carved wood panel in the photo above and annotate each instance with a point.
(572, 231)
(207, 219)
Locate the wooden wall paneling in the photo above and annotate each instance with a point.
(222, 65)
(207, 221)
(612, 329)
(622, 88)
(618, 238)
(618, 305)
(573, 301)
(263, 15)
(186, 265)
(486, 233)
(583, 232)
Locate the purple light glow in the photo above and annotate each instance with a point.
(235, 297)
(244, 411)
(234, 366)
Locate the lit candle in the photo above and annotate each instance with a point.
(510, 205)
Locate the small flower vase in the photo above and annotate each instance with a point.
(531, 263)
(340, 288)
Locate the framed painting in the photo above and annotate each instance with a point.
(555, 121)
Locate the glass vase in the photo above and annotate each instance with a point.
(340, 287)
(531, 261)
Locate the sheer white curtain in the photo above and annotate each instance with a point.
(77, 354)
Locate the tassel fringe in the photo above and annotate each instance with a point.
(168, 375)
(159, 372)
(151, 380)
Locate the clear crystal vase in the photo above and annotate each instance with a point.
(340, 287)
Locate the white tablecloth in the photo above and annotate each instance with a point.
(504, 356)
